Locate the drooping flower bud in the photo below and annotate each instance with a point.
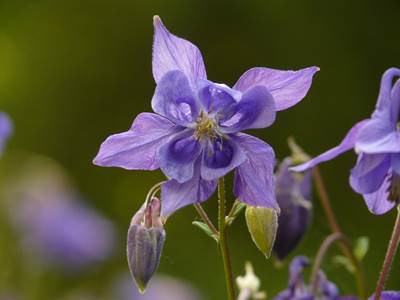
(262, 224)
(293, 193)
(146, 236)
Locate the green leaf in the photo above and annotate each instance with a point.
(262, 224)
(344, 261)
(204, 227)
(361, 247)
(236, 210)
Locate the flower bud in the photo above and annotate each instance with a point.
(293, 193)
(146, 236)
(262, 224)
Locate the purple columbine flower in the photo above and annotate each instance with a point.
(299, 290)
(377, 141)
(6, 129)
(293, 193)
(194, 134)
(54, 223)
(388, 295)
(161, 287)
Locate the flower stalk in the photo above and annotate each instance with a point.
(335, 228)
(328, 242)
(203, 215)
(223, 244)
(390, 254)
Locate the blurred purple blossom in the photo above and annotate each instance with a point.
(6, 129)
(194, 135)
(161, 287)
(388, 295)
(377, 141)
(293, 193)
(299, 290)
(54, 222)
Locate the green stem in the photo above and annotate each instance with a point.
(328, 242)
(203, 215)
(335, 228)
(223, 245)
(391, 252)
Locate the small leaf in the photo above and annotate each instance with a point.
(361, 247)
(262, 224)
(344, 261)
(204, 227)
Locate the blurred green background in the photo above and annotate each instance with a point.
(73, 72)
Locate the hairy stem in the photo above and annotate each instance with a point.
(203, 215)
(335, 228)
(390, 254)
(328, 242)
(223, 245)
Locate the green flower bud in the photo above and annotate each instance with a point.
(262, 223)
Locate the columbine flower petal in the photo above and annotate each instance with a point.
(174, 99)
(173, 53)
(347, 144)
(287, 87)
(370, 172)
(220, 157)
(256, 109)
(377, 202)
(218, 99)
(136, 148)
(254, 181)
(177, 156)
(176, 195)
(380, 134)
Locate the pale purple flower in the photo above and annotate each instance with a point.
(293, 193)
(194, 134)
(299, 290)
(54, 223)
(377, 141)
(6, 129)
(161, 287)
(388, 295)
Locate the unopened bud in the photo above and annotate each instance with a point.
(262, 224)
(146, 236)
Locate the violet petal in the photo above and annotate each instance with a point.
(178, 155)
(256, 109)
(369, 173)
(173, 53)
(287, 87)
(347, 144)
(136, 148)
(254, 181)
(174, 99)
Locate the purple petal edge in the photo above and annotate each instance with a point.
(173, 53)
(287, 87)
(347, 143)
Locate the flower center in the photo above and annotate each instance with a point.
(205, 127)
(394, 188)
